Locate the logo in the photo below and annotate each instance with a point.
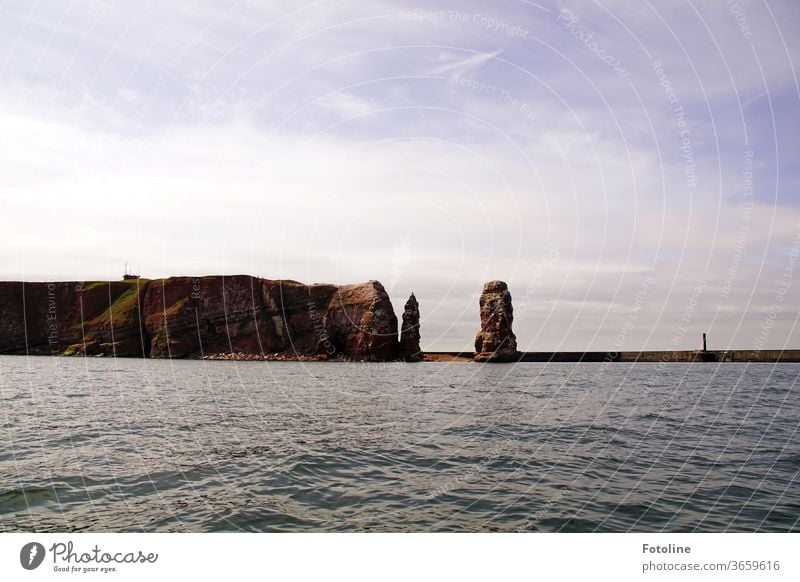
(31, 555)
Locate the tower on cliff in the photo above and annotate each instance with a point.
(128, 276)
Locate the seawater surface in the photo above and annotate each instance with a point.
(153, 445)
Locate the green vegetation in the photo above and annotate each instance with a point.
(89, 285)
(176, 307)
(74, 350)
(122, 312)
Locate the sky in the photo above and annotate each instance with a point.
(630, 169)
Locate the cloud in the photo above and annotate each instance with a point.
(459, 66)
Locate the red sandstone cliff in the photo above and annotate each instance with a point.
(191, 317)
(67, 318)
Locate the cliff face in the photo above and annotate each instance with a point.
(191, 317)
(496, 342)
(67, 318)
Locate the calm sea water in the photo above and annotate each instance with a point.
(132, 445)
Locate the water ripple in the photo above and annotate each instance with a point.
(187, 446)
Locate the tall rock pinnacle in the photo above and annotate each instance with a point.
(496, 341)
(409, 333)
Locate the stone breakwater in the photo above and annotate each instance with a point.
(238, 317)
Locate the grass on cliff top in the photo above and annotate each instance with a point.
(88, 285)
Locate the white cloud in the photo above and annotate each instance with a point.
(459, 65)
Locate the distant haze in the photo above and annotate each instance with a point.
(630, 169)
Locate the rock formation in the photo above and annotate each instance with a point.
(360, 323)
(193, 317)
(496, 341)
(409, 332)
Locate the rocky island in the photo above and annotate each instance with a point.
(249, 318)
(186, 317)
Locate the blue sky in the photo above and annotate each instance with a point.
(631, 169)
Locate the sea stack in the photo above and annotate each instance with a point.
(409, 333)
(496, 341)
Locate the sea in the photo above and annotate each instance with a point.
(129, 445)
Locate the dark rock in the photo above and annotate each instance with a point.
(496, 341)
(409, 332)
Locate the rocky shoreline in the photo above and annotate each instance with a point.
(276, 357)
